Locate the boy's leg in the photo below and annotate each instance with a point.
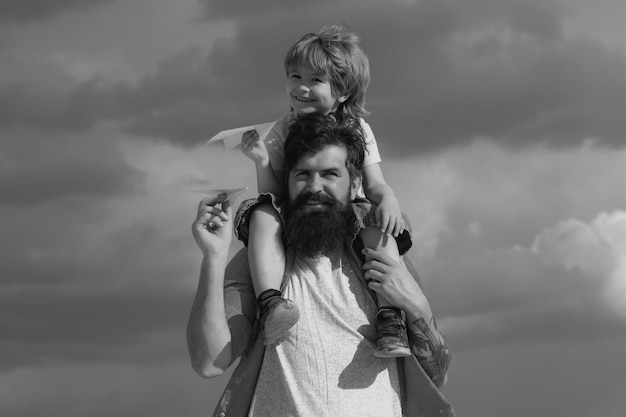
(266, 256)
(390, 324)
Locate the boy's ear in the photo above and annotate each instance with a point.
(342, 99)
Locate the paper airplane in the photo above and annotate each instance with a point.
(230, 192)
(232, 137)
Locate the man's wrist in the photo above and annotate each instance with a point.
(415, 314)
(215, 260)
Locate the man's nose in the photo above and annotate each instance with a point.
(315, 184)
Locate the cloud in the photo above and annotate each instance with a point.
(112, 273)
(517, 81)
(510, 74)
(60, 178)
(561, 378)
(503, 249)
(20, 11)
(597, 249)
(38, 169)
(108, 390)
(571, 278)
(219, 9)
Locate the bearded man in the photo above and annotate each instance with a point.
(325, 366)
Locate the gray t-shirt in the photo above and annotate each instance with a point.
(327, 367)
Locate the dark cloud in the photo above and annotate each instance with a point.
(27, 10)
(39, 326)
(504, 297)
(215, 9)
(60, 178)
(442, 73)
(80, 292)
(525, 82)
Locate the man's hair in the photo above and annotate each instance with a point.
(342, 56)
(311, 134)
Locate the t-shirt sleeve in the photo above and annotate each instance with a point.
(372, 155)
(275, 143)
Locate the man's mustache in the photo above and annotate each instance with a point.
(314, 198)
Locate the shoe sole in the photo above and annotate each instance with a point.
(395, 353)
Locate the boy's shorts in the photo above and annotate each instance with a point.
(364, 213)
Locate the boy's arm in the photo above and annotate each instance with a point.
(376, 189)
(374, 184)
(256, 149)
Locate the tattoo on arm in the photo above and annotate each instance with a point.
(431, 350)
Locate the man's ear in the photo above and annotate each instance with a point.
(355, 186)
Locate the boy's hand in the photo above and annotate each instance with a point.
(389, 217)
(254, 148)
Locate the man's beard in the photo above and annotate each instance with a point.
(317, 231)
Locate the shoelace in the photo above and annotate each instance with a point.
(390, 327)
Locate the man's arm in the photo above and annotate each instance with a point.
(208, 335)
(430, 349)
(398, 285)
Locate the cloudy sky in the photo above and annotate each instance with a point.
(501, 124)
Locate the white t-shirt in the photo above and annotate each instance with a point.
(275, 141)
(327, 366)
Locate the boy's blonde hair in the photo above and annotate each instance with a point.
(342, 56)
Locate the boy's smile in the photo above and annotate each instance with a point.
(310, 92)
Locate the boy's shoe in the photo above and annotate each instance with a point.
(391, 331)
(278, 316)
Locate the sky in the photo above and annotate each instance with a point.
(501, 126)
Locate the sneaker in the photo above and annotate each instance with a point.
(391, 331)
(278, 316)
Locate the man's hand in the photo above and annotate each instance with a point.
(254, 148)
(394, 282)
(389, 217)
(211, 228)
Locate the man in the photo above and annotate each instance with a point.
(325, 366)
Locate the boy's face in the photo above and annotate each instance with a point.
(310, 92)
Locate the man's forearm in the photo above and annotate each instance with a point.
(208, 335)
(430, 348)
